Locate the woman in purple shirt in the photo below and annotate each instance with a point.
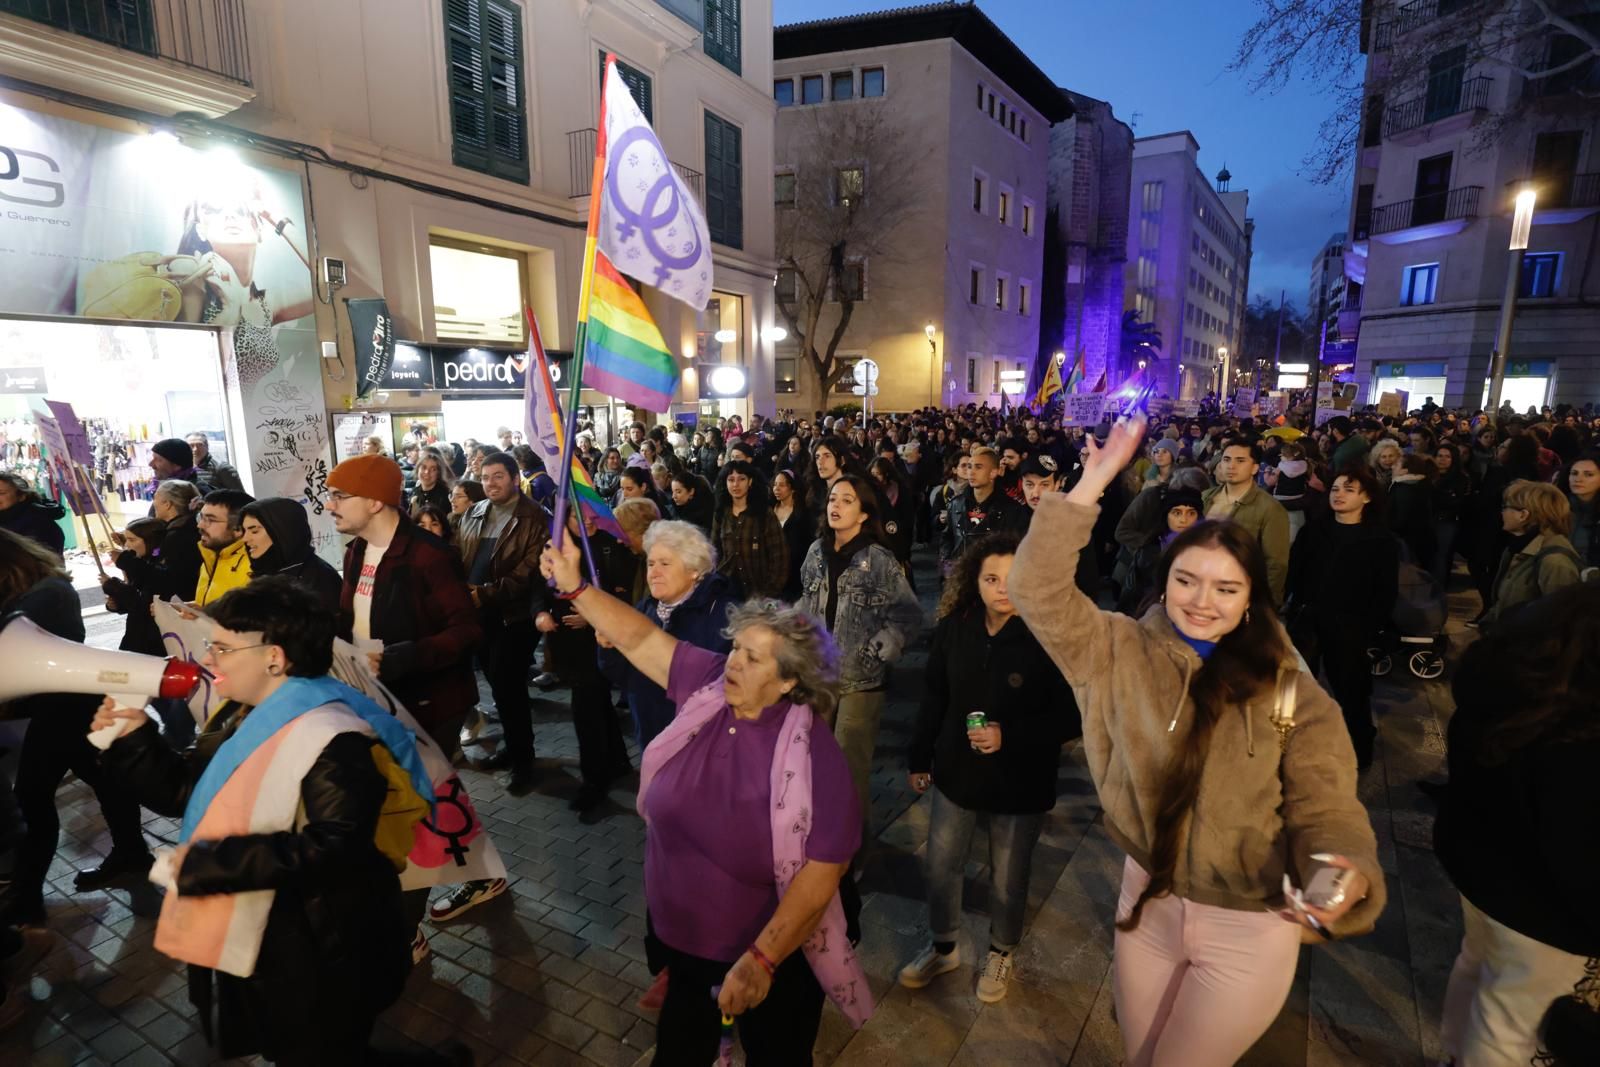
(741, 879)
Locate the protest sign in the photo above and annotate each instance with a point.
(1085, 409)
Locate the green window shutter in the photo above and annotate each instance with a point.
(638, 83)
(721, 34)
(488, 116)
(724, 182)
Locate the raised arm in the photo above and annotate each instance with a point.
(646, 646)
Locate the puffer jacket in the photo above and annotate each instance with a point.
(1261, 811)
(36, 519)
(221, 572)
(875, 615)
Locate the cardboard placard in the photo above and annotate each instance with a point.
(1393, 403)
(1084, 409)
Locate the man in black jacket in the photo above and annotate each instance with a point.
(982, 508)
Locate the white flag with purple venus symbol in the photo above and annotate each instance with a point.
(651, 226)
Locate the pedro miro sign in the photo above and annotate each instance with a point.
(479, 369)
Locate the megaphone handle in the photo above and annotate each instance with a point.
(103, 737)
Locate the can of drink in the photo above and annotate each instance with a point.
(977, 720)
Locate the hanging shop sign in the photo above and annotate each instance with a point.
(372, 327)
(23, 380)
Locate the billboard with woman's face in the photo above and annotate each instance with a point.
(103, 224)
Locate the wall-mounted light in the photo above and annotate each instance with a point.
(724, 380)
(774, 334)
(929, 331)
(725, 337)
(1061, 357)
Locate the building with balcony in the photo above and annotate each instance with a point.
(1326, 295)
(440, 151)
(936, 111)
(1451, 130)
(1188, 267)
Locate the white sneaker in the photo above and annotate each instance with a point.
(996, 973)
(458, 898)
(928, 965)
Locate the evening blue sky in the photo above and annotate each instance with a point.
(1167, 60)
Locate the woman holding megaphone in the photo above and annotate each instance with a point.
(283, 894)
(33, 582)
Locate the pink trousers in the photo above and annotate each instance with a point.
(1197, 985)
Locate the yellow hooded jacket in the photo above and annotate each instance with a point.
(221, 572)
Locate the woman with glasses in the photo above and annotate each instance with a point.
(283, 892)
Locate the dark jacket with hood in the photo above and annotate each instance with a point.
(1012, 680)
(173, 569)
(425, 619)
(126, 598)
(36, 519)
(291, 553)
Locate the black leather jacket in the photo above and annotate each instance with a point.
(336, 941)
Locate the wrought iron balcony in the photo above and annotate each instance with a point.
(1445, 97)
(1560, 190)
(1413, 16)
(1459, 203)
(206, 35)
(580, 166)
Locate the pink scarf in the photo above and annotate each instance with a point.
(828, 950)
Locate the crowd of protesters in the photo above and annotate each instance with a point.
(1199, 598)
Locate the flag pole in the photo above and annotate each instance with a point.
(581, 335)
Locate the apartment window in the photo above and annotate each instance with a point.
(1024, 290)
(975, 287)
(991, 105)
(638, 83)
(1152, 197)
(1022, 131)
(995, 387)
(1003, 207)
(1027, 218)
(477, 291)
(1000, 281)
(1540, 272)
(811, 89)
(849, 185)
(1419, 284)
(1194, 278)
(853, 280)
(488, 115)
(787, 289)
(721, 36)
(783, 92)
(724, 181)
(1011, 122)
(979, 191)
(783, 189)
(842, 85)
(872, 81)
(972, 374)
(783, 374)
(1001, 117)
(980, 97)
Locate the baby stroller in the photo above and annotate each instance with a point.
(1417, 627)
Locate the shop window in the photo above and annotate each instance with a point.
(719, 330)
(783, 92)
(1419, 284)
(842, 86)
(724, 182)
(872, 81)
(783, 374)
(488, 121)
(478, 292)
(1541, 271)
(721, 37)
(811, 89)
(638, 83)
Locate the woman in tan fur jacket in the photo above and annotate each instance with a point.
(1226, 774)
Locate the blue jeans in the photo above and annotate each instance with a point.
(1011, 841)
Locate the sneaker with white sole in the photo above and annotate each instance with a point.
(458, 898)
(996, 973)
(929, 964)
(419, 948)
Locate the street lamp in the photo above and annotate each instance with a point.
(1521, 223)
(929, 331)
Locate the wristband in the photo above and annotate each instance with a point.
(576, 592)
(763, 959)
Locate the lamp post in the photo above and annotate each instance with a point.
(1222, 370)
(933, 363)
(1521, 223)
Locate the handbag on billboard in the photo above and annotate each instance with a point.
(145, 285)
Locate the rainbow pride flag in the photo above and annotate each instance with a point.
(625, 355)
(543, 429)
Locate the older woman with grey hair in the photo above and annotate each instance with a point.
(1385, 459)
(687, 599)
(741, 879)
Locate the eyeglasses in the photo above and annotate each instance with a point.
(222, 650)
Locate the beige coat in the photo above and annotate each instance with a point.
(1259, 813)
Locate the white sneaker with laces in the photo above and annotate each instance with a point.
(928, 965)
(992, 981)
(458, 898)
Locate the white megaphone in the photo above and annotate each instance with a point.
(39, 662)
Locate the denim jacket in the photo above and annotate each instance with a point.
(875, 619)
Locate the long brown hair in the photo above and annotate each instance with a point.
(1244, 663)
(960, 594)
(24, 563)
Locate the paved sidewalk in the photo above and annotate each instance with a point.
(549, 973)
